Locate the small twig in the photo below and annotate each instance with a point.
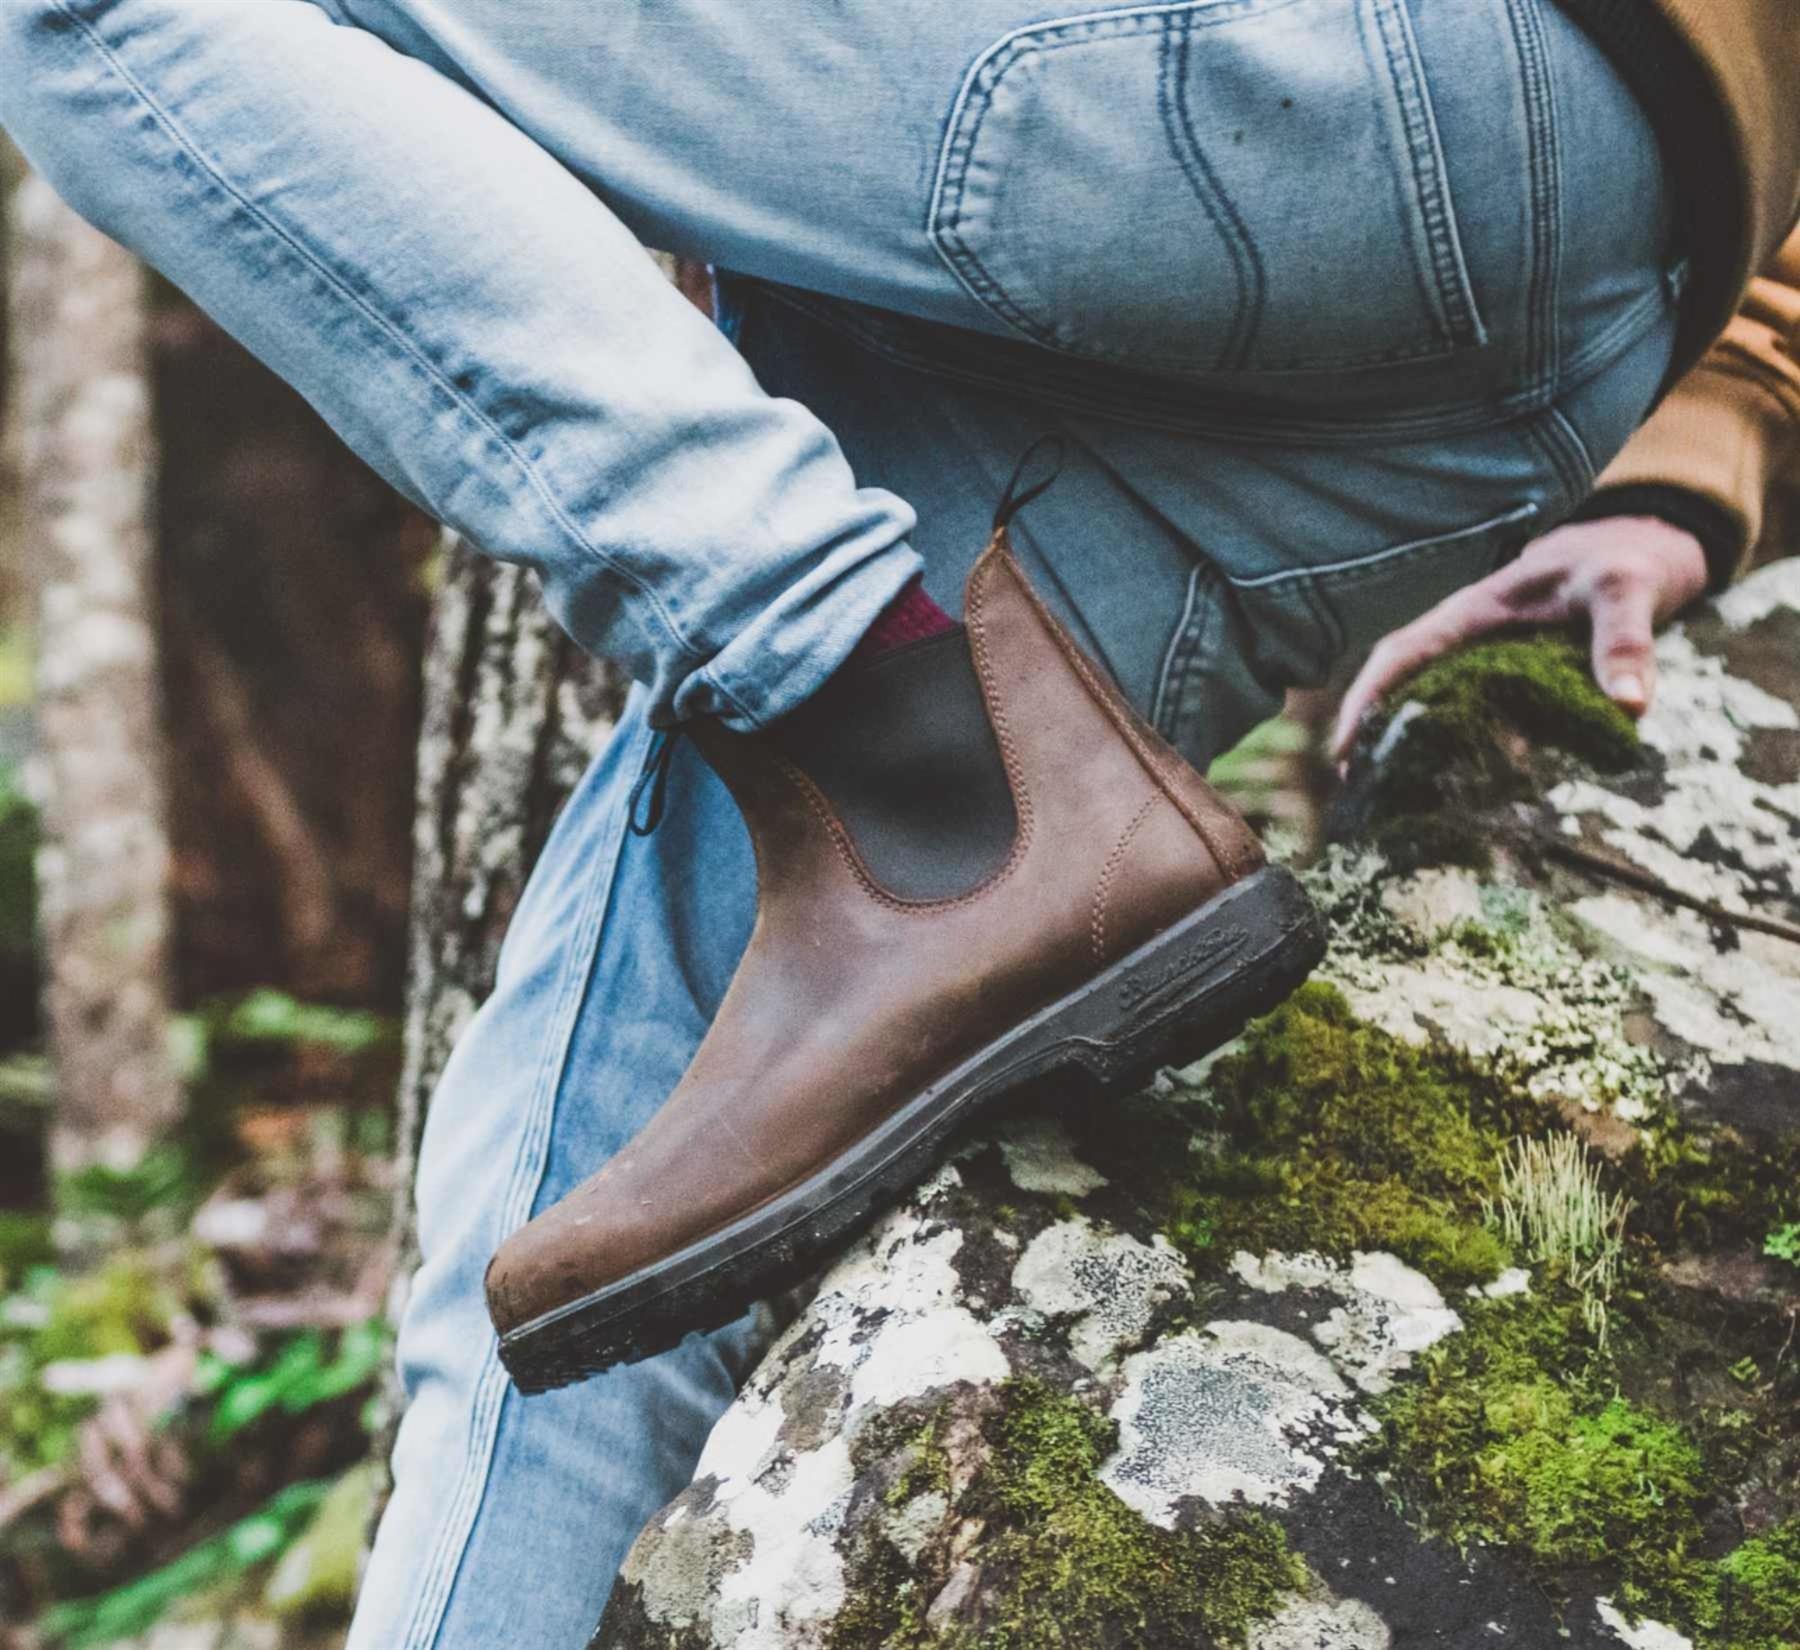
(1633, 876)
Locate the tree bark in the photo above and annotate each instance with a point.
(87, 460)
(513, 713)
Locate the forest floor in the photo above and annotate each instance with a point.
(190, 1354)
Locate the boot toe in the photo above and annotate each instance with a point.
(543, 1265)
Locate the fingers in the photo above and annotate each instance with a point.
(1502, 599)
(1621, 573)
(1624, 641)
(1378, 674)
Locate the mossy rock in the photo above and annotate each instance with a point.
(1471, 733)
(1302, 1351)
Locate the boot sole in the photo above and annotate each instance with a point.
(1174, 999)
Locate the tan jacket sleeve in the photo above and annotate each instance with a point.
(1730, 431)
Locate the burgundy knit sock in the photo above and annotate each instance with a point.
(912, 616)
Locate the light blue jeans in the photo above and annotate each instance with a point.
(1333, 301)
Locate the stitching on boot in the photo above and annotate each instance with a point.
(1097, 925)
(1228, 861)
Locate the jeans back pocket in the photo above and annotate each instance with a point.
(1219, 187)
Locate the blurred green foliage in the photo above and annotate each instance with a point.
(274, 1020)
(15, 666)
(134, 1608)
(122, 1309)
(318, 1574)
(18, 907)
(301, 1374)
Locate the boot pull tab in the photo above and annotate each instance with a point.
(1013, 500)
(653, 782)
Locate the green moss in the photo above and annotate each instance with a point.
(1700, 1191)
(1064, 1562)
(1513, 1435)
(1454, 759)
(1540, 685)
(884, 1604)
(924, 1464)
(1758, 1593)
(1566, 1485)
(1335, 1136)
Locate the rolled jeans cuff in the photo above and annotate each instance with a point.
(792, 647)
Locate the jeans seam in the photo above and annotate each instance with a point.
(723, 689)
(1542, 344)
(529, 1164)
(1168, 675)
(1555, 436)
(1601, 351)
(1192, 649)
(1586, 472)
(383, 327)
(1447, 292)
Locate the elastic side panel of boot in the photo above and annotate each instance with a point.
(903, 750)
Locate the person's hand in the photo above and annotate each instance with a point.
(1623, 575)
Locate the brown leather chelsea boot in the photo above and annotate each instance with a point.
(977, 868)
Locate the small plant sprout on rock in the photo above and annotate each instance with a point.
(1554, 1209)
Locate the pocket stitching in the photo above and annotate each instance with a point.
(1178, 658)
(1184, 142)
(1448, 293)
(975, 101)
(946, 208)
(1381, 561)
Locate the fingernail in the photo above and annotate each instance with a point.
(1630, 689)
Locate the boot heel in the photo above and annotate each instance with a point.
(1196, 985)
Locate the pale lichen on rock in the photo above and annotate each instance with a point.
(1109, 1283)
(1234, 1412)
(1386, 1311)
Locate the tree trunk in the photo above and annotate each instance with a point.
(82, 407)
(294, 612)
(1305, 1350)
(514, 712)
